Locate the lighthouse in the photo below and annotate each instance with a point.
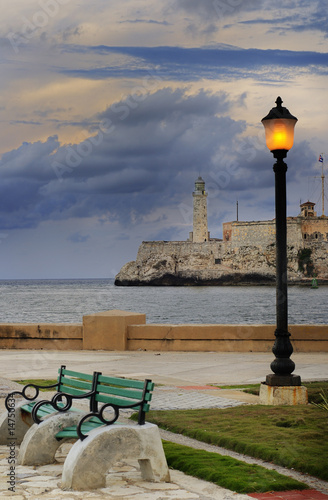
(200, 229)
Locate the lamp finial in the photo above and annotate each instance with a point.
(279, 102)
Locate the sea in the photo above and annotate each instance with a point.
(68, 300)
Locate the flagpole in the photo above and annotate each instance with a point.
(322, 184)
(323, 190)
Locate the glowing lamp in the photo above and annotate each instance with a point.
(279, 134)
(279, 128)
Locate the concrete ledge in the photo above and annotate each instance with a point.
(121, 330)
(41, 336)
(223, 338)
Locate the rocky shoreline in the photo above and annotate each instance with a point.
(214, 263)
(236, 279)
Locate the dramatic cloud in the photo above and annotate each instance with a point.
(139, 160)
(109, 111)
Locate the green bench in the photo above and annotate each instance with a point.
(114, 393)
(70, 385)
(99, 440)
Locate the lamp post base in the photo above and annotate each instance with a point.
(282, 380)
(283, 395)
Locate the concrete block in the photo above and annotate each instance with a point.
(39, 445)
(108, 330)
(89, 460)
(283, 395)
(14, 426)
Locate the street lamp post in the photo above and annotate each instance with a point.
(279, 133)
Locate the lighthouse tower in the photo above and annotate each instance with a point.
(200, 230)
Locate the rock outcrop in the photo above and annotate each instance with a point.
(179, 263)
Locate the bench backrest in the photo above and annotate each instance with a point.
(125, 393)
(78, 384)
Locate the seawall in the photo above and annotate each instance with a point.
(127, 331)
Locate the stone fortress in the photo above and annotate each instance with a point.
(245, 255)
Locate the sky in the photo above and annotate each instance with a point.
(111, 109)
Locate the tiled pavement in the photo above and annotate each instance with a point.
(189, 397)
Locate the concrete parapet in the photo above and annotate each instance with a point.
(108, 330)
(121, 330)
(41, 336)
(223, 338)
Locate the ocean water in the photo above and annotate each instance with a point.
(67, 301)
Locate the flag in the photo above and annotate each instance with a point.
(320, 158)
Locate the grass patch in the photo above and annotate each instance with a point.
(40, 382)
(291, 436)
(241, 387)
(226, 471)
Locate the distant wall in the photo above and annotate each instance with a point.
(41, 336)
(121, 330)
(300, 231)
(315, 229)
(184, 250)
(261, 233)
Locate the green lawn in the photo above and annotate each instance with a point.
(226, 471)
(291, 436)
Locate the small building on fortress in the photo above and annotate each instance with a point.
(307, 227)
(245, 255)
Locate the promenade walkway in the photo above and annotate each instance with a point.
(183, 381)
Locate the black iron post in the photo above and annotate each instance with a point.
(282, 366)
(279, 127)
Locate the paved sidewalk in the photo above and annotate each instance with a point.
(167, 368)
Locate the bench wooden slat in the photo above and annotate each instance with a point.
(45, 410)
(82, 376)
(138, 384)
(70, 432)
(71, 390)
(118, 391)
(115, 400)
(80, 384)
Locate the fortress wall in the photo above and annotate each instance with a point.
(260, 233)
(313, 227)
(181, 251)
(294, 232)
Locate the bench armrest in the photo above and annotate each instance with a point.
(25, 396)
(57, 398)
(100, 415)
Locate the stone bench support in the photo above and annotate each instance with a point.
(39, 445)
(89, 460)
(15, 427)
